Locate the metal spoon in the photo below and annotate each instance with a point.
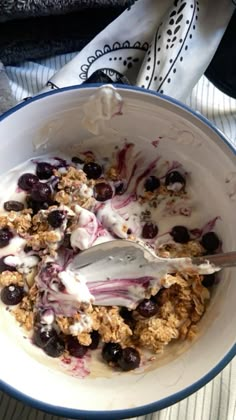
(122, 272)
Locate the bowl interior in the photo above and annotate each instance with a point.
(158, 128)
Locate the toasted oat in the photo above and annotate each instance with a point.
(11, 277)
(28, 301)
(112, 326)
(39, 222)
(155, 197)
(48, 239)
(24, 313)
(170, 279)
(72, 179)
(84, 338)
(86, 203)
(71, 198)
(64, 324)
(181, 305)
(174, 250)
(18, 221)
(154, 333)
(184, 329)
(193, 331)
(163, 190)
(63, 198)
(113, 174)
(25, 318)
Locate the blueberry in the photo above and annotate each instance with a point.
(5, 267)
(27, 181)
(36, 205)
(44, 170)
(180, 234)
(27, 249)
(95, 336)
(77, 160)
(5, 237)
(75, 348)
(208, 280)
(66, 241)
(111, 352)
(120, 188)
(129, 360)
(12, 294)
(56, 218)
(102, 191)
(41, 192)
(150, 230)
(48, 340)
(159, 298)
(13, 205)
(55, 347)
(210, 241)
(147, 308)
(127, 317)
(41, 336)
(152, 183)
(174, 181)
(92, 170)
(125, 313)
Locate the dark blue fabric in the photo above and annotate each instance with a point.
(222, 69)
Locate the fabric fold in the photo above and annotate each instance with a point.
(161, 45)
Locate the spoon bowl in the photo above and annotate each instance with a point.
(123, 272)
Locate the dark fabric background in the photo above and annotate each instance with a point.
(222, 69)
(15, 9)
(52, 30)
(34, 29)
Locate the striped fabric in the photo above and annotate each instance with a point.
(217, 400)
(216, 106)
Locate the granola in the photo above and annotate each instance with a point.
(77, 204)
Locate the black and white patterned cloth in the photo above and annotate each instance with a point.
(163, 45)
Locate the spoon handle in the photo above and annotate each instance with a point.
(227, 259)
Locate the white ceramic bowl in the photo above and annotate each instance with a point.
(33, 377)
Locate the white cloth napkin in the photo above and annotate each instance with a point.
(163, 45)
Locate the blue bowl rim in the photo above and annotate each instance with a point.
(165, 402)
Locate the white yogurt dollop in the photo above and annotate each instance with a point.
(22, 262)
(84, 324)
(85, 191)
(112, 221)
(15, 246)
(75, 286)
(101, 106)
(84, 234)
